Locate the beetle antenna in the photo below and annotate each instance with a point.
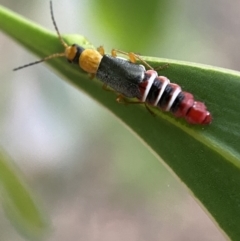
(56, 55)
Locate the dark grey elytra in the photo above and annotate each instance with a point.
(121, 75)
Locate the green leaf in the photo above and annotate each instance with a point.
(18, 203)
(205, 158)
